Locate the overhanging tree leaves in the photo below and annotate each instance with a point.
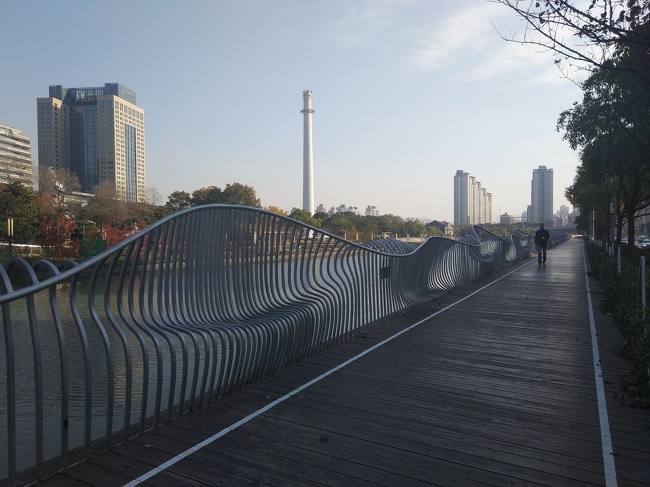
(587, 34)
(611, 128)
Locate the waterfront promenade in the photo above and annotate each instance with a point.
(493, 385)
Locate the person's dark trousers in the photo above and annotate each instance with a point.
(541, 253)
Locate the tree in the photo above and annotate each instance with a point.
(611, 128)
(593, 194)
(19, 202)
(54, 188)
(587, 36)
(114, 234)
(178, 200)
(105, 209)
(212, 195)
(390, 223)
(303, 216)
(153, 196)
(338, 223)
(240, 194)
(433, 231)
(413, 228)
(368, 227)
(275, 209)
(158, 213)
(56, 235)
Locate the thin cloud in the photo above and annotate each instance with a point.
(360, 23)
(469, 42)
(447, 41)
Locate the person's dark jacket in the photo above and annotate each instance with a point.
(542, 237)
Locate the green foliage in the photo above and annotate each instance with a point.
(339, 223)
(611, 130)
(234, 194)
(303, 216)
(178, 200)
(621, 294)
(206, 196)
(240, 194)
(19, 202)
(433, 231)
(320, 217)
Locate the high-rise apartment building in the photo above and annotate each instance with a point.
(472, 203)
(97, 134)
(15, 157)
(541, 200)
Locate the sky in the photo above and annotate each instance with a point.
(405, 93)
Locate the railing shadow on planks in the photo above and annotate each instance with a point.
(190, 308)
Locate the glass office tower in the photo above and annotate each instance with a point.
(96, 133)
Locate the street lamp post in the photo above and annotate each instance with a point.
(10, 230)
(10, 226)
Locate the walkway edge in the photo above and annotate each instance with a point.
(605, 435)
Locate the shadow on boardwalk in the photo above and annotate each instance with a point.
(489, 386)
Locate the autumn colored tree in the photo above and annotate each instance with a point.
(56, 235)
(114, 234)
(275, 209)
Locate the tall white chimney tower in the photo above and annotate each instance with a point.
(307, 155)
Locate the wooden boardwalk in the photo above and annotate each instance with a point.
(498, 389)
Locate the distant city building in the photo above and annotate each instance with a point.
(571, 219)
(97, 134)
(372, 211)
(15, 157)
(472, 203)
(344, 209)
(541, 200)
(446, 228)
(559, 220)
(563, 218)
(524, 216)
(506, 219)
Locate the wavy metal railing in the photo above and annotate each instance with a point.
(192, 307)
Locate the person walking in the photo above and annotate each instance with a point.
(541, 240)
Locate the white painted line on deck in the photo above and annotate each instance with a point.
(216, 436)
(605, 436)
